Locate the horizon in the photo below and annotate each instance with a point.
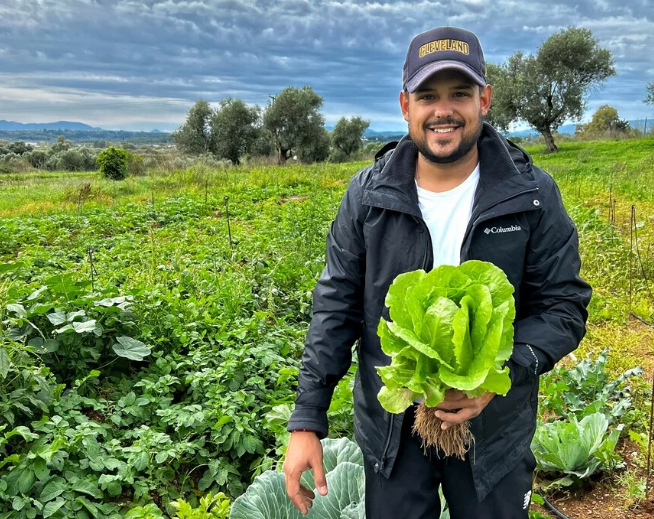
(139, 66)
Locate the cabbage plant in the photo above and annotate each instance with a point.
(451, 328)
(266, 498)
(576, 449)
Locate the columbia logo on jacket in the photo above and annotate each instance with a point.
(496, 230)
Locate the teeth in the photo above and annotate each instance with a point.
(443, 130)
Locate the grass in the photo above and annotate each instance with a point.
(193, 288)
(47, 192)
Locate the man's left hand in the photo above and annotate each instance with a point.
(458, 408)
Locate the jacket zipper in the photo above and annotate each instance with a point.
(388, 441)
(426, 268)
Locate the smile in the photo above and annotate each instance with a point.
(445, 131)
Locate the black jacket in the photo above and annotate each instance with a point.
(518, 223)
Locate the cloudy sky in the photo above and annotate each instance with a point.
(141, 64)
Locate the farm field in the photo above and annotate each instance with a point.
(151, 331)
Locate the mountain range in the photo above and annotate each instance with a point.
(76, 126)
(13, 126)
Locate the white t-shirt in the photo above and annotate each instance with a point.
(446, 215)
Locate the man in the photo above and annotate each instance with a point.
(451, 190)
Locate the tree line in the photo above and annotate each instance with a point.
(291, 126)
(544, 90)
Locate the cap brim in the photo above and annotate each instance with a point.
(436, 66)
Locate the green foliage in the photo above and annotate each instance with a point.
(62, 144)
(450, 328)
(293, 121)
(210, 507)
(16, 147)
(316, 146)
(113, 163)
(74, 159)
(551, 87)
(605, 120)
(503, 110)
(233, 129)
(37, 158)
(346, 137)
(585, 389)
(225, 326)
(136, 165)
(649, 98)
(574, 450)
(71, 330)
(194, 136)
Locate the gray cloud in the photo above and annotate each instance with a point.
(141, 64)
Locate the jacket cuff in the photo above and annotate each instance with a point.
(525, 361)
(310, 418)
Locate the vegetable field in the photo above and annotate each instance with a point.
(151, 331)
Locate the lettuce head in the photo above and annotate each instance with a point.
(451, 328)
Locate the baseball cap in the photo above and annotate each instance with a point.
(439, 49)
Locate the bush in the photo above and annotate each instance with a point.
(76, 159)
(136, 165)
(13, 163)
(113, 163)
(37, 158)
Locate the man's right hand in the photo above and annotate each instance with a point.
(304, 452)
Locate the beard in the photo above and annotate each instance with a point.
(468, 140)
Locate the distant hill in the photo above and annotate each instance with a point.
(12, 126)
(79, 136)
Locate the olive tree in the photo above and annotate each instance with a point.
(293, 120)
(346, 137)
(650, 94)
(551, 86)
(233, 129)
(193, 136)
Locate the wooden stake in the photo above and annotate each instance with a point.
(89, 251)
(649, 442)
(229, 229)
(610, 200)
(631, 251)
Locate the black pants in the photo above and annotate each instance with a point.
(411, 492)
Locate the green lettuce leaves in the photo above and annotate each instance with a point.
(451, 328)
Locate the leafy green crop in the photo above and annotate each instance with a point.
(451, 328)
(266, 498)
(575, 450)
(585, 389)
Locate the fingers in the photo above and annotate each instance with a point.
(451, 405)
(319, 476)
(300, 495)
(292, 480)
(307, 492)
(302, 501)
(461, 416)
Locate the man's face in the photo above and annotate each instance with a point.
(445, 115)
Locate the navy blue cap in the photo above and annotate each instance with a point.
(439, 49)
